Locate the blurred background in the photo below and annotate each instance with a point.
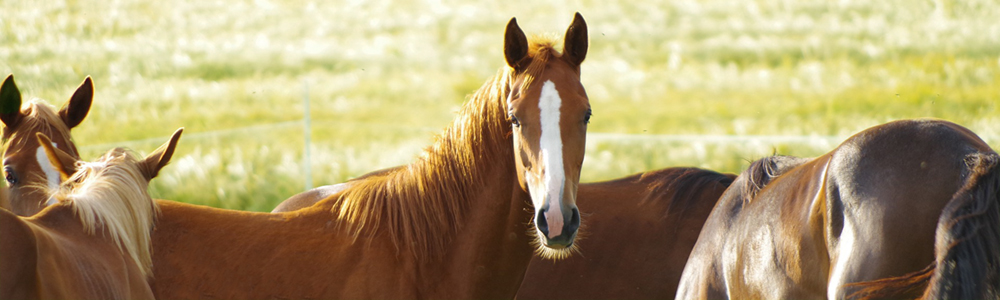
(711, 84)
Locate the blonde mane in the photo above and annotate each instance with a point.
(421, 204)
(38, 117)
(111, 193)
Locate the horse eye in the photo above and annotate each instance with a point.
(586, 117)
(513, 120)
(10, 176)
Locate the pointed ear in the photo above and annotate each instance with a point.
(10, 102)
(155, 161)
(62, 161)
(515, 44)
(576, 42)
(73, 112)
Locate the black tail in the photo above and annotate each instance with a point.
(968, 236)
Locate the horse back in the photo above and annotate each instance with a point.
(204, 252)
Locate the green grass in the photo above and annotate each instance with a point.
(383, 77)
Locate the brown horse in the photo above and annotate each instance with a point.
(640, 231)
(452, 225)
(93, 243)
(906, 209)
(26, 169)
(673, 203)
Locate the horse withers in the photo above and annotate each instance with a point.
(94, 242)
(907, 209)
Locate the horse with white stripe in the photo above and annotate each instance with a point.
(25, 167)
(452, 225)
(94, 242)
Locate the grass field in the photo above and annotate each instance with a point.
(382, 77)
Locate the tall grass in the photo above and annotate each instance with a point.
(384, 76)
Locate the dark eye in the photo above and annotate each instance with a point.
(586, 116)
(513, 120)
(10, 175)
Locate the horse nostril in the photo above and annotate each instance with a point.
(540, 223)
(574, 222)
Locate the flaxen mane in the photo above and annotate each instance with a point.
(421, 204)
(38, 117)
(111, 195)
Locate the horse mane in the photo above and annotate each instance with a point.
(757, 175)
(38, 117)
(967, 241)
(111, 193)
(683, 186)
(762, 171)
(419, 205)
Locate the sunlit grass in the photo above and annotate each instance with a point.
(383, 76)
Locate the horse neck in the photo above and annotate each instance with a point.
(458, 206)
(422, 205)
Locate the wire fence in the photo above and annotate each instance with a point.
(599, 137)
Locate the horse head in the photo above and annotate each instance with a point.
(25, 167)
(549, 111)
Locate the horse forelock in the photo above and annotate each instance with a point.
(37, 117)
(541, 49)
(111, 194)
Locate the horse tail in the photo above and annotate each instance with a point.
(967, 245)
(968, 236)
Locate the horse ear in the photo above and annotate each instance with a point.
(515, 44)
(75, 110)
(155, 161)
(62, 161)
(10, 102)
(576, 42)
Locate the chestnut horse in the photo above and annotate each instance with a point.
(27, 171)
(94, 242)
(452, 225)
(906, 209)
(673, 203)
(640, 230)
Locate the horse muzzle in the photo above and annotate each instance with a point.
(557, 229)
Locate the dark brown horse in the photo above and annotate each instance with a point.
(452, 225)
(906, 209)
(27, 171)
(94, 242)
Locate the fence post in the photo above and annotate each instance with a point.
(306, 160)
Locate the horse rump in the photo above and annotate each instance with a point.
(967, 245)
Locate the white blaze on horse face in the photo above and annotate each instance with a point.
(51, 174)
(551, 146)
